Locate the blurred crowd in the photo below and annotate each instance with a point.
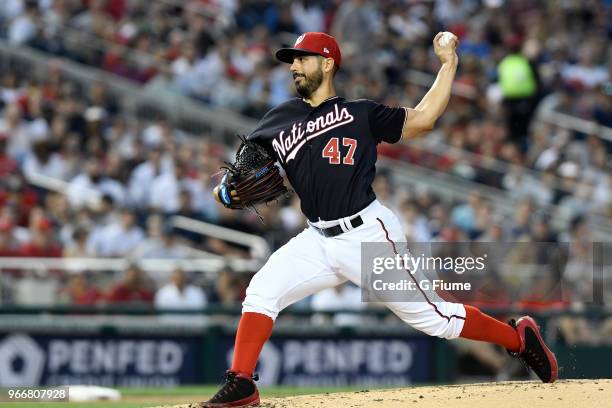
(220, 51)
(513, 55)
(121, 180)
(126, 177)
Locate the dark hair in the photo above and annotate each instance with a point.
(79, 233)
(577, 222)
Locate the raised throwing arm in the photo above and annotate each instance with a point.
(422, 117)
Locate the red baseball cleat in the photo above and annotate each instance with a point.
(239, 390)
(534, 352)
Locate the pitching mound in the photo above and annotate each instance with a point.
(528, 394)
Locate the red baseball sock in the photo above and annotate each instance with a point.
(482, 327)
(254, 330)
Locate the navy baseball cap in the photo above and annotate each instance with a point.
(312, 43)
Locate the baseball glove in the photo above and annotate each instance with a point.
(252, 179)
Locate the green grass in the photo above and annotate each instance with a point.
(74, 404)
(149, 397)
(211, 389)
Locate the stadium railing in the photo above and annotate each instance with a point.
(213, 263)
(259, 248)
(547, 112)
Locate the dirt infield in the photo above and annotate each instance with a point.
(528, 394)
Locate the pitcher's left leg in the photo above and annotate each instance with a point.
(446, 319)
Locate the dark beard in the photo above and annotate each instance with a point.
(310, 84)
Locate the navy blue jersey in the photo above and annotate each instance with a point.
(329, 151)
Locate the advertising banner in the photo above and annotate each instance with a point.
(30, 360)
(340, 361)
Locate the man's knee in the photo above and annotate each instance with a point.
(256, 303)
(448, 328)
(452, 317)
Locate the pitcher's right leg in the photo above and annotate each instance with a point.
(298, 269)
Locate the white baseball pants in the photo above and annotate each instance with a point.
(310, 262)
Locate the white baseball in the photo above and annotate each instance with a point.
(445, 38)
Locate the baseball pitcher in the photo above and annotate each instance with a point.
(327, 147)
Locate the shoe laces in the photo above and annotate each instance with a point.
(229, 385)
(231, 380)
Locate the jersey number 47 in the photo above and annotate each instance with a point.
(331, 150)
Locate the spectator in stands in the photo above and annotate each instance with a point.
(383, 187)
(78, 291)
(12, 216)
(291, 216)
(166, 189)
(464, 215)
(8, 165)
(520, 228)
(541, 230)
(578, 273)
(585, 73)
(308, 16)
(185, 205)
(160, 242)
(23, 28)
(41, 243)
(8, 246)
(132, 288)
(85, 186)
(78, 248)
(143, 175)
(118, 238)
(228, 289)
(415, 224)
(43, 161)
(178, 294)
(13, 125)
(99, 217)
(356, 25)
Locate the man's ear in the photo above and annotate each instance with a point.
(328, 65)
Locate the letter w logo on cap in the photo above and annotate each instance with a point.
(299, 39)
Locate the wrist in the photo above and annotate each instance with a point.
(452, 61)
(450, 65)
